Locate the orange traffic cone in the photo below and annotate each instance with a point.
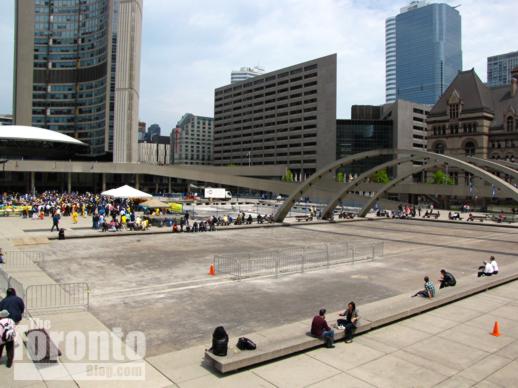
(496, 330)
(212, 271)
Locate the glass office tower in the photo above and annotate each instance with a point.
(499, 68)
(67, 77)
(428, 52)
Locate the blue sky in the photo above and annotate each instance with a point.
(189, 47)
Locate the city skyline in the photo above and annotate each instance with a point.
(204, 43)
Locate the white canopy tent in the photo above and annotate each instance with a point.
(126, 192)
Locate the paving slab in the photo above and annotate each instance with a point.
(450, 353)
(346, 356)
(510, 351)
(387, 372)
(398, 336)
(508, 327)
(455, 313)
(296, 371)
(484, 368)
(341, 380)
(483, 302)
(456, 382)
(182, 365)
(505, 377)
(428, 323)
(438, 367)
(476, 337)
(239, 380)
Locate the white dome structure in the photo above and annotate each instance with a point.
(22, 132)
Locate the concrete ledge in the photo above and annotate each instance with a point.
(293, 338)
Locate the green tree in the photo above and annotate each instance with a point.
(439, 177)
(288, 176)
(381, 176)
(340, 177)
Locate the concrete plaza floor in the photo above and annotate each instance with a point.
(155, 283)
(159, 284)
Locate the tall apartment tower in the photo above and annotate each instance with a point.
(499, 68)
(77, 70)
(428, 51)
(192, 140)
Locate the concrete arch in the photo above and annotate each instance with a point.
(443, 159)
(500, 167)
(326, 213)
(367, 207)
(303, 187)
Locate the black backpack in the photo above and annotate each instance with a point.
(244, 343)
(219, 341)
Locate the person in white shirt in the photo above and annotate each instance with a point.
(486, 269)
(494, 264)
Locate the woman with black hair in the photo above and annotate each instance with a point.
(350, 322)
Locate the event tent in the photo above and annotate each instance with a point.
(126, 192)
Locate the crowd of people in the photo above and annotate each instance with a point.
(112, 215)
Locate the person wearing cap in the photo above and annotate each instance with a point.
(13, 304)
(485, 270)
(320, 329)
(7, 334)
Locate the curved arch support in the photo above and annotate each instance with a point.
(326, 213)
(494, 166)
(500, 184)
(301, 189)
(367, 207)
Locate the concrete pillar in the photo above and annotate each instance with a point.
(103, 182)
(33, 183)
(69, 182)
(156, 187)
(169, 185)
(137, 181)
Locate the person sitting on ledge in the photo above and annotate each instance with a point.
(350, 322)
(429, 289)
(486, 269)
(447, 279)
(320, 329)
(494, 264)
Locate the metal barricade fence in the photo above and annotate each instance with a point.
(21, 259)
(4, 281)
(57, 296)
(296, 259)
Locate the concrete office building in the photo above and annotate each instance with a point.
(156, 152)
(499, 68)
(428, 53)
(192, 140)
(245, 73)
(283, 117)
(77, 69)
(401, 124)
